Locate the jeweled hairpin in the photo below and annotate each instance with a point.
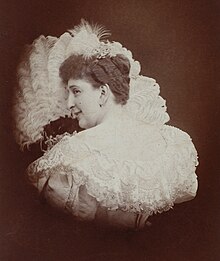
(102, 51)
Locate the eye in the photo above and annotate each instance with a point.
(76, 92)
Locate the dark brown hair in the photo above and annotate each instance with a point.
(113, 71)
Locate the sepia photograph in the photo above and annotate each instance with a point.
(109, 130)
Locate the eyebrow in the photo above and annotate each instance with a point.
(73, 86)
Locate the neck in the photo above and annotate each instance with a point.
(111, 112)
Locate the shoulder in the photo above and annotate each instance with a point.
(180, 144)
(175, 135)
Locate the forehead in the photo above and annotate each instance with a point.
(79, 83)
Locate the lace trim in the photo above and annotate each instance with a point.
(132, 186)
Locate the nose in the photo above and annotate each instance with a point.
(71, 101)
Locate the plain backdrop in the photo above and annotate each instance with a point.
(177, 43)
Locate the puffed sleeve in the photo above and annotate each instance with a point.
(183, 160)
(59, 159)
(59, 181)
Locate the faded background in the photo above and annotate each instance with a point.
(176, 42)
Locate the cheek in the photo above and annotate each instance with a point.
(90, 105)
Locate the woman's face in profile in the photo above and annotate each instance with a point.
(84, 102)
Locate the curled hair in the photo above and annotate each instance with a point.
(113, 71)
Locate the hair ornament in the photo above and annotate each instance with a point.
(90, 40)
(98, 30)
(86, 40)
(102, 51)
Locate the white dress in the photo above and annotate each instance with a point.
(122, 164)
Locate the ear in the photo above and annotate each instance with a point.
(104, 93)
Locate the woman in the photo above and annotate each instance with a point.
(124, 166)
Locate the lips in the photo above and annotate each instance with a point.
(77, 113)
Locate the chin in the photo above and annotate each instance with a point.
(86, 125)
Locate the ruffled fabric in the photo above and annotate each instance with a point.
(115, 180)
